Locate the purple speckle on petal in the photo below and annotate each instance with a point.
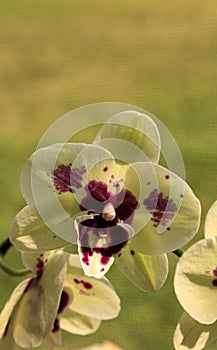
(167, 177)
(66, 178)
(76, 281)
(132, 252)
(104, 260)
(215, 272)
(105, 168)
(160, 207)
(85, 257)
(168, 228)
(87, 285)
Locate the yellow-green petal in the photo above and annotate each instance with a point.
(169, 213)
(147, 272)
(7, 342)
(195, 281)
(54, 182)
(29, 233)
(211, 221)
(192, 335)
(91, 297)
(9, 307)
(35, 314)
(131, 136)
(77, 323)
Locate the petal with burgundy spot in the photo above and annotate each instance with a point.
(91, 297)
(195, 280)
(169, 213)
(37, 300)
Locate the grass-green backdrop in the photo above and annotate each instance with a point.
(57, 55)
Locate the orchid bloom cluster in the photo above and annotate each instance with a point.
(114, 201)
(195, 286)
(59, 296)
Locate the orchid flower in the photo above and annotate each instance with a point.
(196, 287)
(111, 198)
(107, 345)
(59, 296)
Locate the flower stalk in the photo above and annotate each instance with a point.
(4, 246)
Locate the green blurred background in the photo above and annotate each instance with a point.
(57, 55)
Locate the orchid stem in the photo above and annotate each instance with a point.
(4, 246)
(178, 252)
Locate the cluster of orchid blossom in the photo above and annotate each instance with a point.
(118, 205)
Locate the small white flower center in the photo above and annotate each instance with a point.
(108, 212)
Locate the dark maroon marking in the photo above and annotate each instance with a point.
(214, 283)
(64, 300)
(161, 207)
(30, 282)
(76, 281)
(104, 260)
(102, 269)
(167, 177)
(132, 252)
(56, 326)
(105, 168)
(6, 328)
(112, 176)
(87, 285)
(168, 228)
(40, 264)
(181, 196)
(125, 204)
(119, 255)
(215, 272)
(66, 178)
(118, 238)
(39, 272)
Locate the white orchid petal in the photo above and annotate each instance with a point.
(130, 136)
(9, 307)
(192, 335)
(91, 297)
(169, 213)
(29, 233)
(210, 227)
(195, 280)
(37, 309)
(77, 323)
(147, 272)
